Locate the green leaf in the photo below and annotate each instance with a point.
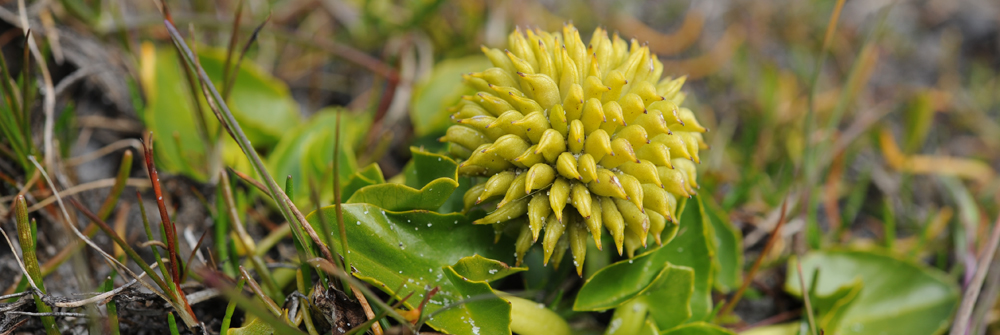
(252, 326)
(628, 319)
(728, 246)
(435, 175)
(261, 103)
(306, 154)
(480, 268)
(667, 300)
(898, 297)
(626, 281)
(413, 251)
(169, 111)
(699, 328)
(649, 328)
(692, 248)
(441, 90)
(831, 308)
(369, 175)
(614, 285)
(669, 296)
(429, 167)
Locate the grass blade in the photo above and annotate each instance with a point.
(230, 308)
(222, 111)
(230, 80)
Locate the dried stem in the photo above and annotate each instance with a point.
(963, 318)
(756, 264)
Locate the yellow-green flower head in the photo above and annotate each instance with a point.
(576, 138)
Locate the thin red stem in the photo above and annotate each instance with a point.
(168, 226)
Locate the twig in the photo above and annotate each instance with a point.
(376, 328)
(132, 254)
(260, 293)
(24, 271)
(62, 314)
(756, 264)
(964, 314)
(109, 182)
(249, 180)
(68, 222)
(49, 103)
(332, 269)
(15, 295)
(95, 299)
(73, 78)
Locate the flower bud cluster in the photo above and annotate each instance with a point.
(575, 139)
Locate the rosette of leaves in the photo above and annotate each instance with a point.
(572, 139)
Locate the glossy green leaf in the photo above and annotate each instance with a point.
(669, 296)
(261, 103)
(169, 113)
(441, 90)
(628, 319)
(252, 326)
(693, 248)
(429, 167)
(435, 179)
(666, 301)
(480, 268)
(649, 328)
(699, 328)
(414, 251)
(454, 203)
(369, 175)
(728, 246)
(898, 297)
(616, 284)
(306, 154)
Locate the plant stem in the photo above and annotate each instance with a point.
(26, 233)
